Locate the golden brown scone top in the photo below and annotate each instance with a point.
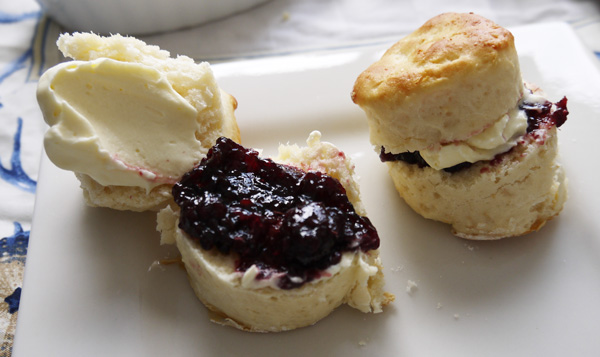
(425, 85)
(445, 45)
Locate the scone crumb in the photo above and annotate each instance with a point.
(439, 305)
(456, 316)
(285, 16)
(411, 286)
(155, 264)
(362, 343)
(397, 269)
(161, 263)
(388, 298)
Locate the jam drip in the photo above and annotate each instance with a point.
(277, 217)
(539, 116)
(542, 116)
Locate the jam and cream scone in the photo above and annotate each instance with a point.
(467, 142)
(274, 245)
(128, 119)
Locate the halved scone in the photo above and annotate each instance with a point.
(275, 247)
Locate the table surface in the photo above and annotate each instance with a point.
(274, 28)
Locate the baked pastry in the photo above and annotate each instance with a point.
(273, 247)
(467, 142)
(128, 119)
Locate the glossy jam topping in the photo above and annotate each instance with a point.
(277, 217)
(542, 115)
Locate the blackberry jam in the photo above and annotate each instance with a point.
(539, 116)
(277, 217)
(416, 159)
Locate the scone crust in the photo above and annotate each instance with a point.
(450, 79)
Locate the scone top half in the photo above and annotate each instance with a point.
(449, 80)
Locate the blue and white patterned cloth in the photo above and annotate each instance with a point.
(27, 47)
(20, 149)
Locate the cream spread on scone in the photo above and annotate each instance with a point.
(127, 114)
(250, 279)
(109, 119)
(496, 139)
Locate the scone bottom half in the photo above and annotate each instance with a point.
(273, 246)
(466, 140)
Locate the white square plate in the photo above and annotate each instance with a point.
(91, 287)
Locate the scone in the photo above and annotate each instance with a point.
(467, 142)
(272, 247)
(128, 119)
